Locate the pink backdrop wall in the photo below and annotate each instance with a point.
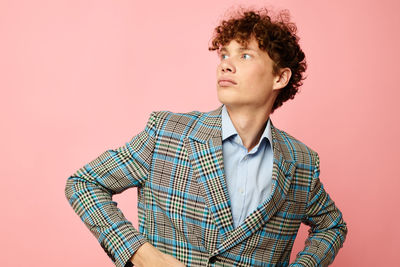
(79, 77)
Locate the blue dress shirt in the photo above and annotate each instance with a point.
(248, 173)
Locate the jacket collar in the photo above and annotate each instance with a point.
(209, 126)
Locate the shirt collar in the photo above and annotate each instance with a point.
(228, 129)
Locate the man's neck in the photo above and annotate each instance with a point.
(249, 122)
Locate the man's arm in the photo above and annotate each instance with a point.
(328, 230)
(89, 192)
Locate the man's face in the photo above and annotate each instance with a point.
(251, 70)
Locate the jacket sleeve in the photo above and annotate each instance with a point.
(327, 231)
(89, 192)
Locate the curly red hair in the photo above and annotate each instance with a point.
(275, 36)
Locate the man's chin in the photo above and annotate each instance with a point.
(226, 96)
(229, 101)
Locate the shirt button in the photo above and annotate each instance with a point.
(213, 259)
(241, 190)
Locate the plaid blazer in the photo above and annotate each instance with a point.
(177, 165)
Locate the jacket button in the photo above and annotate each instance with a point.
(213, 259)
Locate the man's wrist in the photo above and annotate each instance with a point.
(142, 253)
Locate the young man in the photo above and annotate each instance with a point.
(219, 188)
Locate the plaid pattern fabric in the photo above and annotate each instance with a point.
(177, 165)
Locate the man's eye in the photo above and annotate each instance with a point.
(222, 56)
(246, 55)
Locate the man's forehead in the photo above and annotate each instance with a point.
(240, 47)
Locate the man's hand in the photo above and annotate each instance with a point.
(148, 255)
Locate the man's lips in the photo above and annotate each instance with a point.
(226, 82)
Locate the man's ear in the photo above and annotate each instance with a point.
(282, 79)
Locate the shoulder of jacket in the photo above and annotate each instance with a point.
(165, 119)
(166, 115)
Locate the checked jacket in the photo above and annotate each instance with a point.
(177, 165)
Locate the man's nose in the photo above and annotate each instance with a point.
(227, 67)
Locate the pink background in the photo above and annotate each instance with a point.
(80, 77)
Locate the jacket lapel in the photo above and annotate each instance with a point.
(204, 146)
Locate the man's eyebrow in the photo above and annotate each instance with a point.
(223, 49)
